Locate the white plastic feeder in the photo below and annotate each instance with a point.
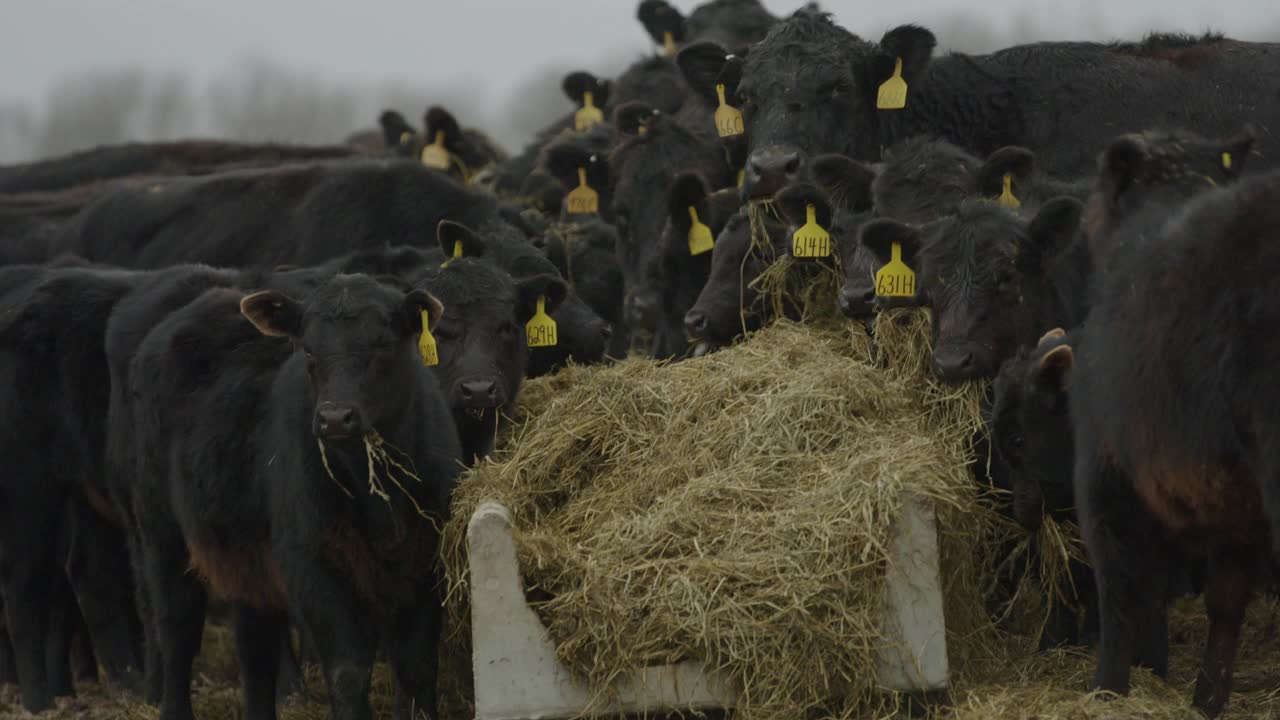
(517, 676)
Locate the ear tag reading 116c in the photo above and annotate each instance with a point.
(427, 344)
(582, 200)
(588, 116)
(895, 279)
(669, 44)
(811, 239)
(893, 93)
(435, 155)
(700, 239)
(541, 329)
(728, 117)
(1007, 198)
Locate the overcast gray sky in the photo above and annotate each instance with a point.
(483, 51)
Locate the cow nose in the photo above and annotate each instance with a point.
(855, 302)
(695, 323)
(952, 365)
(334, 422)
(479, 393)
(771, 169)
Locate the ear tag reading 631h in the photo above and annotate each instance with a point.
(435, 155)
(895, 279)
(1007, 198)
(588, 116)
(893, 92)
(541, 329)
(427, 344)
(811, 239)
(728, 118)
(582, 200)
(700, 239)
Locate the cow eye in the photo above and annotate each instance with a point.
(835, 88)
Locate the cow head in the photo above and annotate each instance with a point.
(359, 339)
(727, 305)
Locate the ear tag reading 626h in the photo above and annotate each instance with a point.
(728, 118)
(1007, 198)
(588, 116)
(541, 329)
(893, 92)
(895, 279)
(427, 344)
(700, 239)
(811, 239)
(435, 155)
(582, 200)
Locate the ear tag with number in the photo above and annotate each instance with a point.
(588, 116)
(582, 200)
(728, 118)
(1007, 198)
(895, 279)
(700, 239)
(435, 155)
(811, 239)
(540, 331)
(427, 343)
(893, 92)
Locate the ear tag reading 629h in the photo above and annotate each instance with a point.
(811, 239)
(895, 279)
(427, 344)
(728, 118)
(435, 155)
(541, 329)
(893, 92)
(1007, 198)
(700, 239)
(582, 200)
(588, 116)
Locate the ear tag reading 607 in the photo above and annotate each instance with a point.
(895, 279)
(728, 118)
(435, 155)
(427, 344)
(541, 329)
(1007, 198)
(811, 239)
(700, 239)
(893, 92)
(582, 200)
(588, 116)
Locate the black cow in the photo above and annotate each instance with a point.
(254, 467)
(730, 23)
(466, 151)
(584, 252)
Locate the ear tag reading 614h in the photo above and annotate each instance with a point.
(811, 239)
(435, 155)
(427, 344)
(541, 329)
(893, 92)
(582, 200)
(728, 118)
(1007, 198)
(700, 239)
(895, 279)
(588, 116)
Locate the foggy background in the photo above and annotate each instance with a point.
(74, 74)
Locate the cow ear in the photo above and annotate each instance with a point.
(1054, 334)
(658, 18)
(688, 191)
(396, 131)
(273, 313)
(1055, 226)
(913, 44)
(415, 301)
(563, 161)
(450, 234)
(439, 120)
(577, 84)
(878, 236)
(794, 200)
(701, 64)
(1236, 150)
(1120, 164)
(1018, 162)
(847, 181)
(529, 289)
(1053, 372)
(634, 118)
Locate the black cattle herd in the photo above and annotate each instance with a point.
(255, 372)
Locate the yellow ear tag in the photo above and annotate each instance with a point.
(582, 200)
(427, 344)
(588, 116)
(893, 93)
(811, 240)
(700, 239)
(541, 329)
(1226, 160)
(895, 279)
(435, 155)
(1007, 198)
(669, 44)
(457, 253)
(406, 137)
(741, 174)
(728, 117)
